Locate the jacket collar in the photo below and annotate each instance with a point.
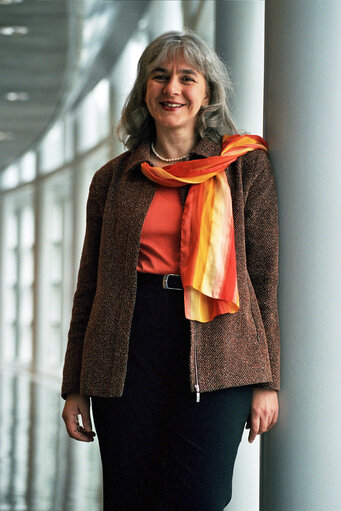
(203, 149)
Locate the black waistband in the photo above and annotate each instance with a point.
(168, 281)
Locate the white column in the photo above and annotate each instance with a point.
(302, 456)
(240, 43)
(164, 16)
(40, 256)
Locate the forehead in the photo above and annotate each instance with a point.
(175, 60)
(180, 66)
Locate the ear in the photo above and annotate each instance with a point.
(206, 100)
(207, 97)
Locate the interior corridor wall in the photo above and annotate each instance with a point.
(84, 160)
(301, 456)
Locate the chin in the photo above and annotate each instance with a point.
(173, 123)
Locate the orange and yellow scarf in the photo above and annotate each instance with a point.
(207, 257)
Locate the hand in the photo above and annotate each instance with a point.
(264, 412)
(76, 404)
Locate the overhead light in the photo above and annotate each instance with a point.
(6, 136)
(7, 2)
(17, 96)
(13, 30)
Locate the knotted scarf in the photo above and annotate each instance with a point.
(207, 257)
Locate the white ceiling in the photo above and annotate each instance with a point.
(47, 63)
(35, 64)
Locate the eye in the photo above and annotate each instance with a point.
(188, 79)
(160, 77)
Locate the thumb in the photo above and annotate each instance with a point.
(248, 423)
(87, 422)
(86, 419)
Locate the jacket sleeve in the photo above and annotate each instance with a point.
(84, 295)
(262, 245)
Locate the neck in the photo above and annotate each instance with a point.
(174, 145)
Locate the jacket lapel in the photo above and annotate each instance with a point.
(129, 196)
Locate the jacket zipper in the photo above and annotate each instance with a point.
(196, 386)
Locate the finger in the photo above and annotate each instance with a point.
(248, 423)
(263, 424)
(254, 428)
(72, 427)
(86, 419)
(86, 431)
(273, 420)
(88, 434)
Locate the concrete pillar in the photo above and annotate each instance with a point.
(39, 290)
(163, 17)
(240, 43)
(302, 456)
(37, 341)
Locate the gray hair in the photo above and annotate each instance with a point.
(213, 120)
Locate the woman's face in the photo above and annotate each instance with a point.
(174, 95)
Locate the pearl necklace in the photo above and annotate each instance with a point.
(166, 159)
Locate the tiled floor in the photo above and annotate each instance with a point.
(41, 468)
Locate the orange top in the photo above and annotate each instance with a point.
(160, 237)
(208, 258)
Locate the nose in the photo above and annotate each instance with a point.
(172, 87)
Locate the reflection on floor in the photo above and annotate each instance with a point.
(41, 468)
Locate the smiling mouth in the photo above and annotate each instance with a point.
(171, 106)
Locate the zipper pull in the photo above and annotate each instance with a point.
(197, 393)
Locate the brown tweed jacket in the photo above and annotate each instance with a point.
(233, 349)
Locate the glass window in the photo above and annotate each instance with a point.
(101, 100)
(63, 488)
(69, 142)
(20, 447)
(9, 288)
(201, 19)
(93, 117)
(52, 150)
(57, 265)
(9, 178)
(93, 161)
(25, 284)
(124, 71)
(8, 393)
(18, 274)
(49, 484)
(28, 167)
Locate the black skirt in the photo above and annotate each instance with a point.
(160, 449)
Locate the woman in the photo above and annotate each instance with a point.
(176, 365)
